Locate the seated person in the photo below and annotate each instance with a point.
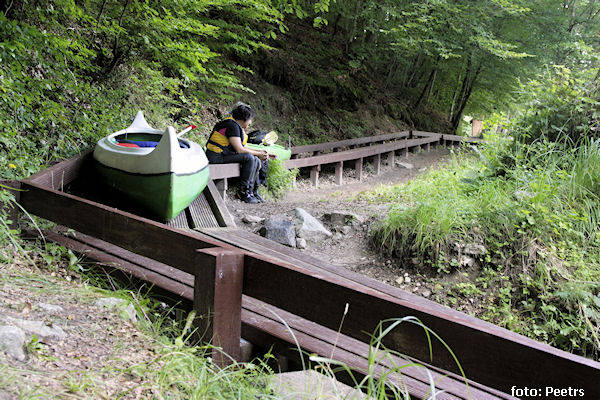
(227, 144)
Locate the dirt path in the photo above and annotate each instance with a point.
(350, 248)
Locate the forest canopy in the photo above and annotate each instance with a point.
(79, 66)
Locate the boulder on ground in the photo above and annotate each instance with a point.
(308, 227)
(341, 218)
(12, 340)
(281, 230)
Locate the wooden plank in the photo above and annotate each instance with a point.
(218, 301)
(180, 221)
(355, 153)
(220, 171)
(312, 296)
(61, 174)
(426, 134)
(200, 213)
(139, 235)
(330, 344)
(457, 138)
(346, 143)
(339, 173)
(161, 275)
(217, 204)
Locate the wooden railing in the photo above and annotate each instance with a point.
(240, 282)
(350, 151)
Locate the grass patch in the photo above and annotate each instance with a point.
(531, 213)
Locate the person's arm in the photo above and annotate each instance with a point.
(236, 143)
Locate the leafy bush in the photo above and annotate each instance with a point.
(562, 105)
(538, 224)
(279, 178)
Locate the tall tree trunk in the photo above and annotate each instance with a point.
(428, 97)
(456, 91)
(427, 87)
(465, 92)
(415, 69)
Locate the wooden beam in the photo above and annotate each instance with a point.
(137, 234)
(218, 302)
(217, 203)
(220, 171)
(358, 166)
(339, 173)
(346, 143)
(354, 154)
(314, 175)
(508, 356)
(12, 209)
(61, 174)
(377, 164)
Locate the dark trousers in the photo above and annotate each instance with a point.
(249, 165)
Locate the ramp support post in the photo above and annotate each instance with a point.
(218, 302)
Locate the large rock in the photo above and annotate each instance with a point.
(308, 227)
(341, 218)
(475, 249)
(281, 230)
(311, 385)
(39, 328)
(12, 340)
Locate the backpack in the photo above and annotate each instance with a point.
(256, 137)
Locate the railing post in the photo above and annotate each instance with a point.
(391, 158)
(339, 172)
(358, 166)
(377, 163)
(222, 186)
(12, 210)
(314, 175)
(218, 301)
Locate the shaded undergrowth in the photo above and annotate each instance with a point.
(528, 217)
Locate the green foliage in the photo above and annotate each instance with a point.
(279, 178)
(72, 72)
(561, 105)
(534, 209)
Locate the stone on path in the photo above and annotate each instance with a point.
(342, 218)
(252, 219)
(281, 230)
(51, 308)
(12, 340)
(308, 227)
(311, 385)
(38, 328)
(405, 165)
(301, 243)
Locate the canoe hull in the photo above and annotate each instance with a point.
(162, 177)
(163, 195)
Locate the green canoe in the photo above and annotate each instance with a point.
(158, 170)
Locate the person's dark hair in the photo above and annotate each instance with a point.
(242, 112)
